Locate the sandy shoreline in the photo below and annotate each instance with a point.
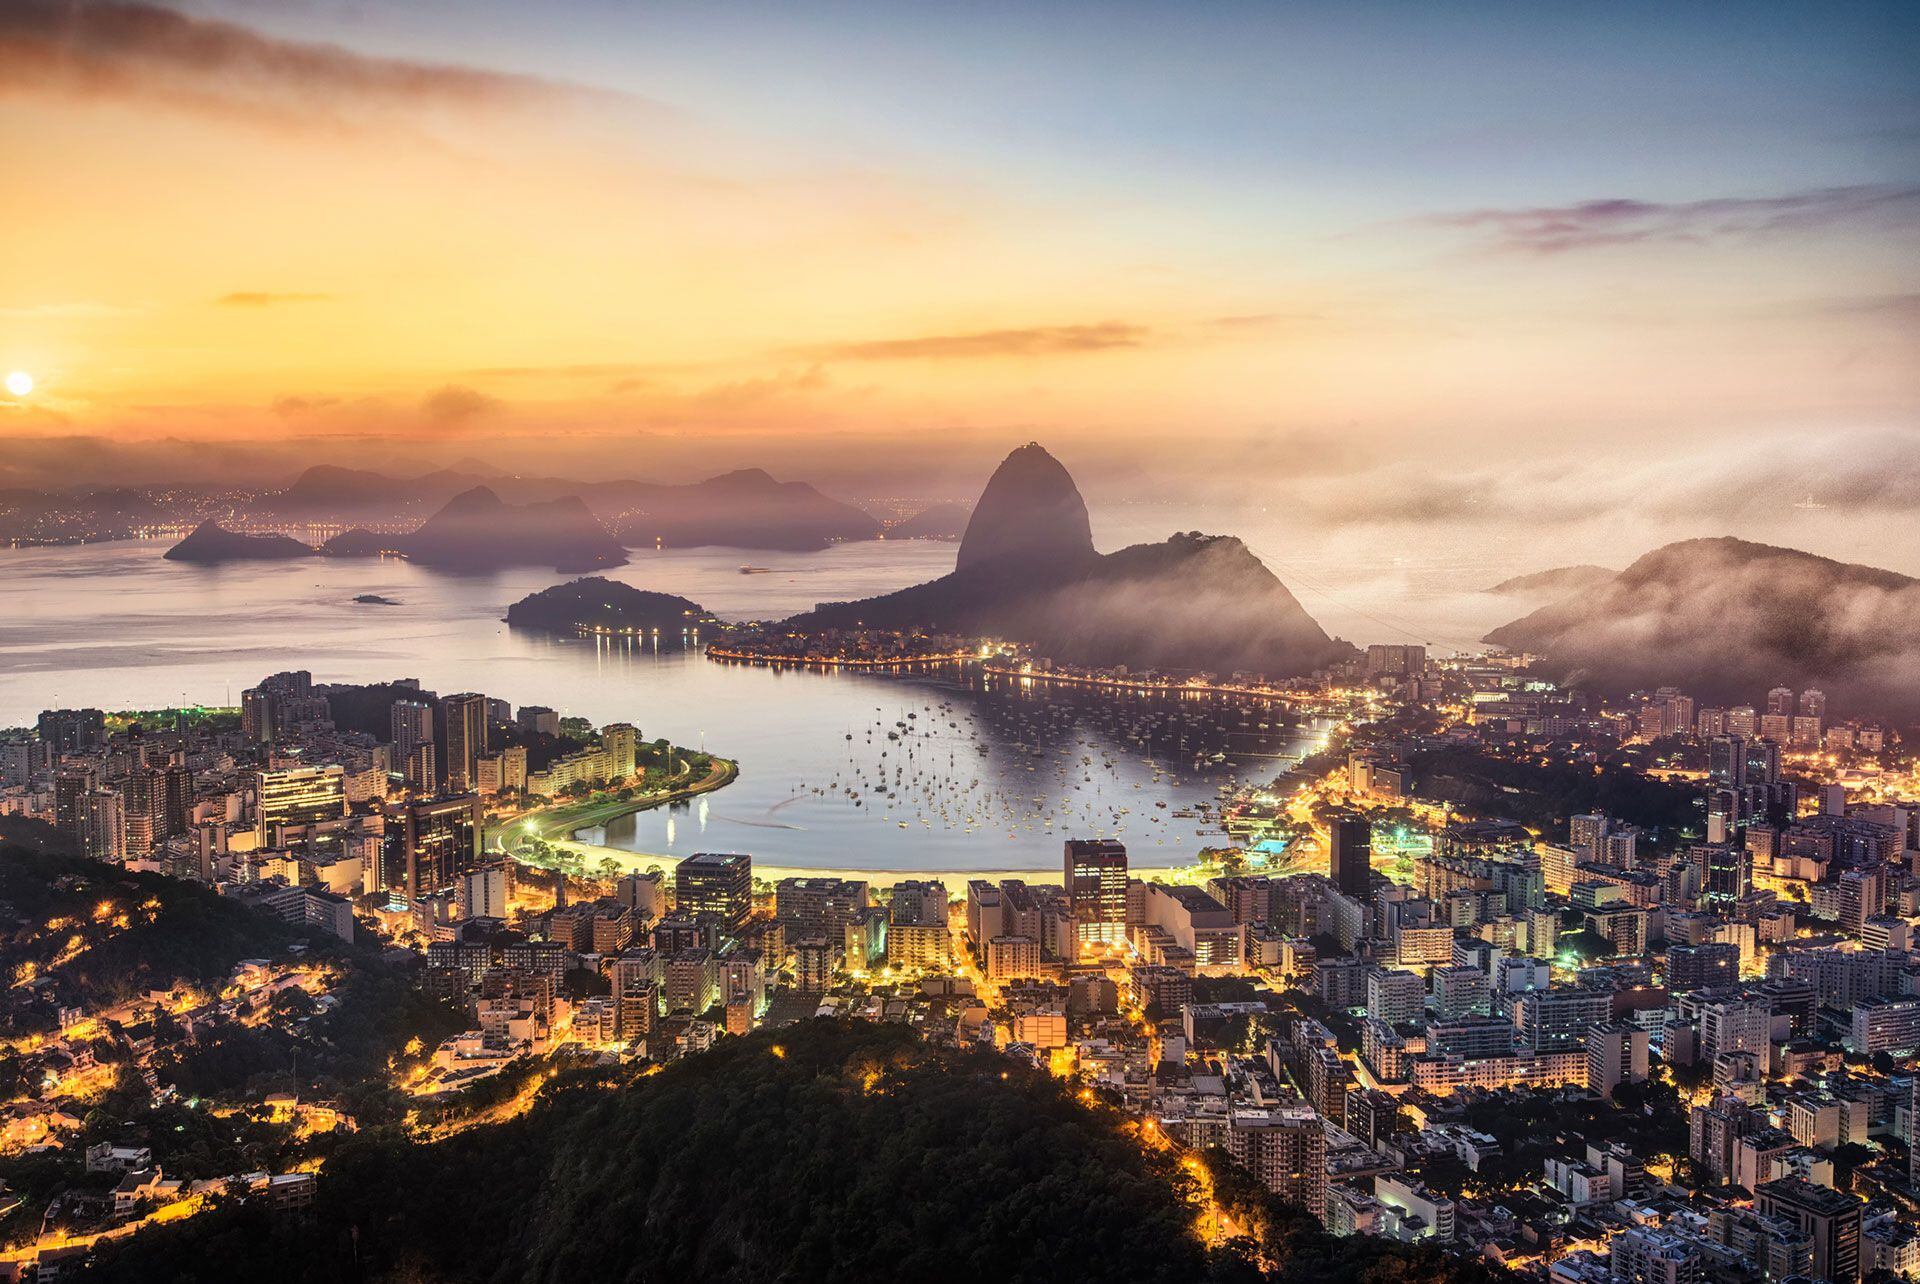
(955, 879)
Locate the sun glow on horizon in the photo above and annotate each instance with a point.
(805, 225)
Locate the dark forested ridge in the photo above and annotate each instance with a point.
(843, 1151)
(1542, 795)
(78, 932)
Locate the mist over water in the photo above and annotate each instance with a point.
(116, 626)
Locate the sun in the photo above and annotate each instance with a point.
(19, 383)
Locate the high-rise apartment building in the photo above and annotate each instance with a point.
(145, 794)
(441, 838)
(1831, 1218)
(622, 743)
(66, 731)
(716, 883)
(1352, 855)
(818, 908)
(1587, 836)
(1616, 1054)
(1459, 991)
(179, 799)
(539, 719)
(422, 770)
(1394, 996)
(299, 796)
(1096, 885)
(1553, 1019)
(1723, 870)
(466, 735)
(1702, 966)
(412, 722)
(1285, 1147)
(1727, 761)
(103, 824)
(919, 903)
(70, 789)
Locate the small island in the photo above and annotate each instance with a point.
(595, 604)
(374, 599)
(210, 543)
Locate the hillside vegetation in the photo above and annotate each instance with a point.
(84, 934)
(842, 1151)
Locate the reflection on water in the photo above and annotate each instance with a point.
(118, 627)
(932, 772)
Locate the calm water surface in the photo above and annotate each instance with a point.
(822, 784)
(115, 626)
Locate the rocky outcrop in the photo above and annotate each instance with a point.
(1193, 602)
(210, 543)
(1030, 512)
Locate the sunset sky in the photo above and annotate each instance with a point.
(1393, 228)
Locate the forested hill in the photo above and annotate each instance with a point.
(843, 1151)
(79, 933)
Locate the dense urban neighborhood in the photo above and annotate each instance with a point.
(1587, 989)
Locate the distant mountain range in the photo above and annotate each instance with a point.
(1027, 571)
(474, 531)
(1725, 620)
(743, 509)
(1558, 581)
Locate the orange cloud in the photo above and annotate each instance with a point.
(1033, 341)
(592, 370)
(455, 406)
(264, 298)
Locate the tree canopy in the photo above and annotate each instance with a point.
(840, 1150)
